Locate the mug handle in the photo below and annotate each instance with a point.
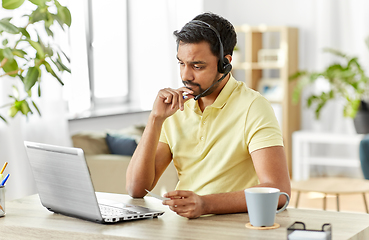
(287, 202)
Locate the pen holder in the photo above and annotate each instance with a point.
(2, 201)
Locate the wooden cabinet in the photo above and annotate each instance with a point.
(268, 56)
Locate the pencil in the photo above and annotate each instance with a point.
(2, 170)
(5, 179)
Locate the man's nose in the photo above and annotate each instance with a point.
(187, 73)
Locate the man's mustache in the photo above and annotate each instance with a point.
(187, 83)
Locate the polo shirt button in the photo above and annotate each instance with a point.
(202, 138)
(203, 122)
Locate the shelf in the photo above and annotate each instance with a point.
(262, 28)
(304, 156)
(256, 65)
(282, 55)
(328, 161)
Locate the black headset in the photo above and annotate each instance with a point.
(223, 64)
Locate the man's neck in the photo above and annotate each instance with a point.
(210, 99)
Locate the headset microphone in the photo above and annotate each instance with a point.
(203, 93)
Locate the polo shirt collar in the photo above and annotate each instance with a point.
(227, 90)
(222, 98)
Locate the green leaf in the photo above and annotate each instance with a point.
(50, 70)
(7, 52)
(10, 66)
(12, 4)
(6, 26)
(49, 32)
(64, 16)
(38, 15)
(335, 52)
(5, 42)
(37, 47)
(21, 77)
(68, 16)
(24, 108)
(64, 68)
(19, 53)
(49, 51)
(39, 90)
(49, 19)
(37, 109)
(13, 110)
(24, 32)
(31, 78)
(3, 119)
(297, 75)
(65, 55)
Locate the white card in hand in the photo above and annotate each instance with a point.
(157, 196)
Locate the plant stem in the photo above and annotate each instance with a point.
(12, 72)
(3, 62)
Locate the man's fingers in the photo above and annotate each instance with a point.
(178, 194)
(175, 97)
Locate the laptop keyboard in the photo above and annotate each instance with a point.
(114, 211)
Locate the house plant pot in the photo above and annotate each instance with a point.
(361, 120)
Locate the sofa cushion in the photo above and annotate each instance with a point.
(121, 144)
(134, 132)
(91, 142)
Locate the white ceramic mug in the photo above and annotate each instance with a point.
(262, 203)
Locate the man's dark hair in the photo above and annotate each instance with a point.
(195, 33)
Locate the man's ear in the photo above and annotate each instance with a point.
(229, 57)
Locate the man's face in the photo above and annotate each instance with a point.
(198, 66)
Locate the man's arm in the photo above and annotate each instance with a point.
(148, 162)
(152, 157)
(271, 168)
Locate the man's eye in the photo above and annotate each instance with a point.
(197, 67)
(181, 63)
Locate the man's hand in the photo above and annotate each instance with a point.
(185, 203)
(168, 101)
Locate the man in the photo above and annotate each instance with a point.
(225, 141)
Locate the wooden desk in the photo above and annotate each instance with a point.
(27, 219)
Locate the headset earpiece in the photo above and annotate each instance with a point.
(224, 66)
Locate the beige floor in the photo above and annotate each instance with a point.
(348, 202)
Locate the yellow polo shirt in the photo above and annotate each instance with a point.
(211, 149)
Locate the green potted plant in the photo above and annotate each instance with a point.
(26, 53)
(347, 80)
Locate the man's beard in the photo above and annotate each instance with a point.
(201, 90)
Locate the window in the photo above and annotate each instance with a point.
(107, 51)
(99, 53)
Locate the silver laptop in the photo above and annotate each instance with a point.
(64, 186)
